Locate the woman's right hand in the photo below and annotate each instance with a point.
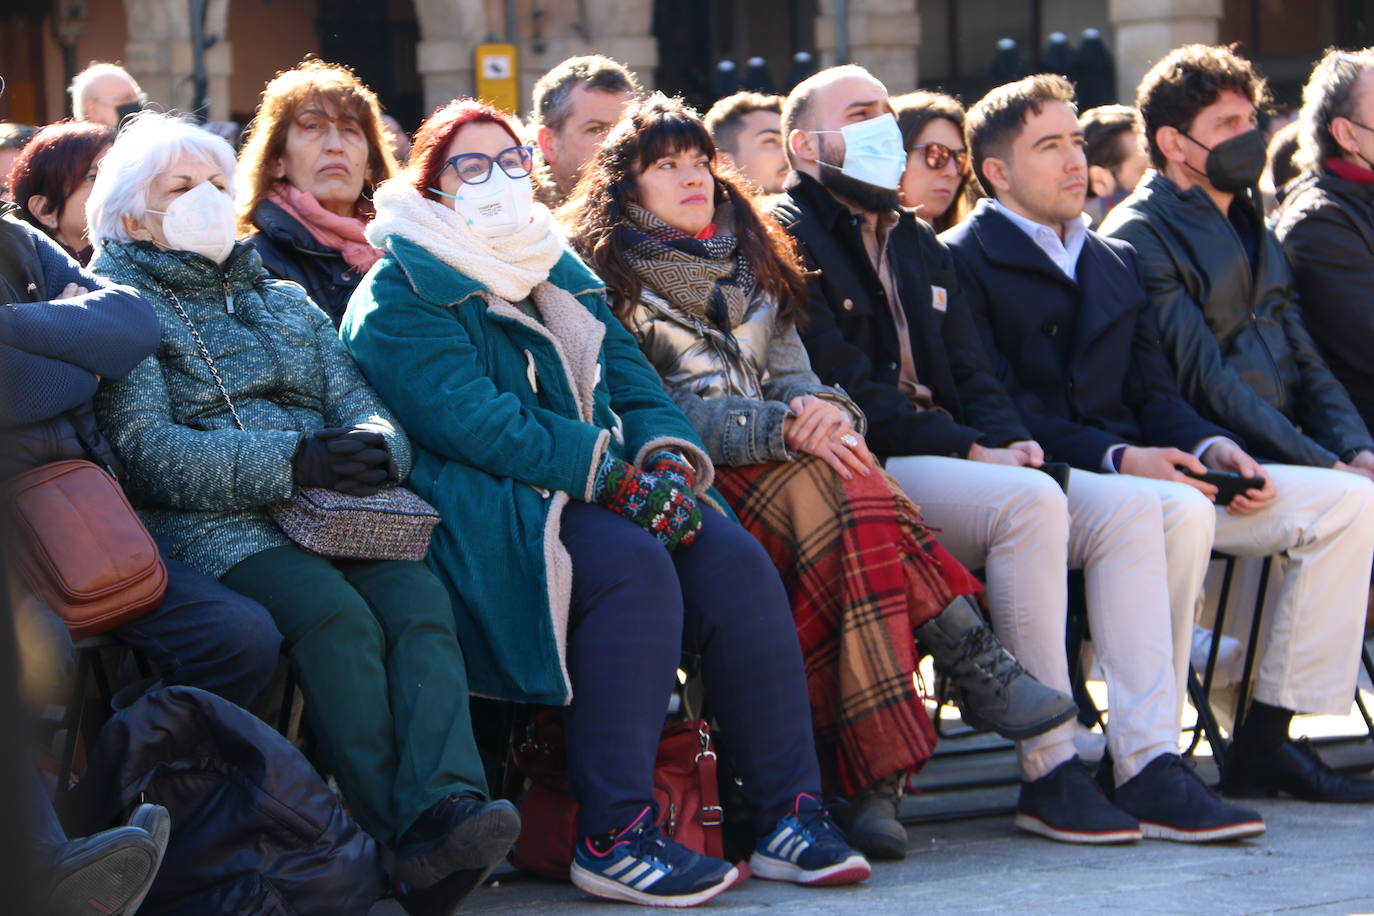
(653, 502)
(818, 427)
(349, 460)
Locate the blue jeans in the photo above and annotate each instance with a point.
(635, 608)
(206, 635)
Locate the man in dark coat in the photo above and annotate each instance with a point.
(1068, 320)
(888, 322)
(1326, 222)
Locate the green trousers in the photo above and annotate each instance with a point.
(385, 687)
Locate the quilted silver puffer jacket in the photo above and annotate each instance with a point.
(735, 389)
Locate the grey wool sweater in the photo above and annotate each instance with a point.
(195, 477)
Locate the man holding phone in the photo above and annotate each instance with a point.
(1075, 339)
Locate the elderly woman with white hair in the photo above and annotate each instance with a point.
(248, 397)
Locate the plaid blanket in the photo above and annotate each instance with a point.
(862, 571)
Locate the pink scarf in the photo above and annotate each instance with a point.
(342, 233)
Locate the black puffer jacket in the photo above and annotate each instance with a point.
(1326, 225)
(53, 352)
(290, 252)
(1240, 351)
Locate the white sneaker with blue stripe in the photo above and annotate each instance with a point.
(645, 867)
(807, 848)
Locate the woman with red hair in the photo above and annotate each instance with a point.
(53, 176)
(581, 541)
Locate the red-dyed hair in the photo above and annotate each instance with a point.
(55, 162)
(432, 140)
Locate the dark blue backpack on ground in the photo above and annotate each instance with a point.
(255, 830)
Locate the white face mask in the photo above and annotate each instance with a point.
(873, 151)
(201, 220)
(497, 206)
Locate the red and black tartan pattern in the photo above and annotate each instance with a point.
(862, 571)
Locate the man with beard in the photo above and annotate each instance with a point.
(572, 108)
(887, 322)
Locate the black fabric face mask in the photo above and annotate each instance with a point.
(128, 109)
(1235, 164)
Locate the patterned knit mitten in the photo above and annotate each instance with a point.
(652, 502)
(670, 465)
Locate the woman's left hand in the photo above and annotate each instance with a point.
(821, 428)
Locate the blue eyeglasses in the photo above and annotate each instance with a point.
(475, 168)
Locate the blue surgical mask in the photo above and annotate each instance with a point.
(873, 151)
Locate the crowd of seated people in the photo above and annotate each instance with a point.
(804, 389)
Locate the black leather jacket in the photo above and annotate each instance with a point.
(1240, 351)
(290, 252)
(1326, 225)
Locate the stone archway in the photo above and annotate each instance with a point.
(159, 53)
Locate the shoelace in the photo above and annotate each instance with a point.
(1004, 668)
(648, 842)
(821, 827)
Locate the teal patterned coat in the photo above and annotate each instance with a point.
(510, 417)
(195, 477)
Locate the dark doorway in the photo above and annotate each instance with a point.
(377, 38)
(694, 37)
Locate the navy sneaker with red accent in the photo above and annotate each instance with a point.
(806, 847)
(640, 865)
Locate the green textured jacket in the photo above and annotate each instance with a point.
(509, 417)
(196, 478)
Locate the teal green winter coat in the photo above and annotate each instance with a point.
(509, 417)
(196, 478)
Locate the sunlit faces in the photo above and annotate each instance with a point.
(326, 155)
(679, 189)
(1355, 132)
(933, 190)
(485, 137)
(105, 94)
(1045, 175)
(1231, 115)
(760, 157)
(183, 175)
(592, 114)
(71, 222)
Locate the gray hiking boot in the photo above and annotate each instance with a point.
(992, 689)
(870, 820)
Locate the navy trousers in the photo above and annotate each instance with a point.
(635, 608)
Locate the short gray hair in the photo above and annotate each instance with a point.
(1329, 94)
(81, 85)
(551, 100)
(147, 146)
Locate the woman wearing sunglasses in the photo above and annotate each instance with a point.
(937, 165)
(580, 541)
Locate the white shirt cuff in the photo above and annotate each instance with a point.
(1108, 462)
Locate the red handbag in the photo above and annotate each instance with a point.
(685, 792)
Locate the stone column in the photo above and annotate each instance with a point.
(449, 31)
(159, 54)
(883, 37)
(1146, 30)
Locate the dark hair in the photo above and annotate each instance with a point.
(1187, 80)
(651, 129)
(1103, 129)
(914, 111)
(432, 140)
(997, 119)
(55, 162)
(726, 118)
(1281, 158)
(550, 103)
(1329, 94)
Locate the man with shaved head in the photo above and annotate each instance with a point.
(888, 322)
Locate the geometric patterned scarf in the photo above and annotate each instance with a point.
(704, 278)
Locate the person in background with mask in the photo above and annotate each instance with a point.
(106, 94)
(1234, 334)
(315, 152)
(248, 397)
(52, 178)
(580, 540)
(747, 130)
(1114, 142)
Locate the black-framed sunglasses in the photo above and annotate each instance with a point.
(475, 168)
(937, 156)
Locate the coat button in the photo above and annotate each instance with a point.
(848, 305)
(892, 367)
(1050, 328)
(741, 421)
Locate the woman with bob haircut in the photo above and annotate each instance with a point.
(937, 163)
(713, 290)
(315, 151)
(53, 176)
(248, 397)
(580, 542)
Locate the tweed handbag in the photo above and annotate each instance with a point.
(392, 524)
